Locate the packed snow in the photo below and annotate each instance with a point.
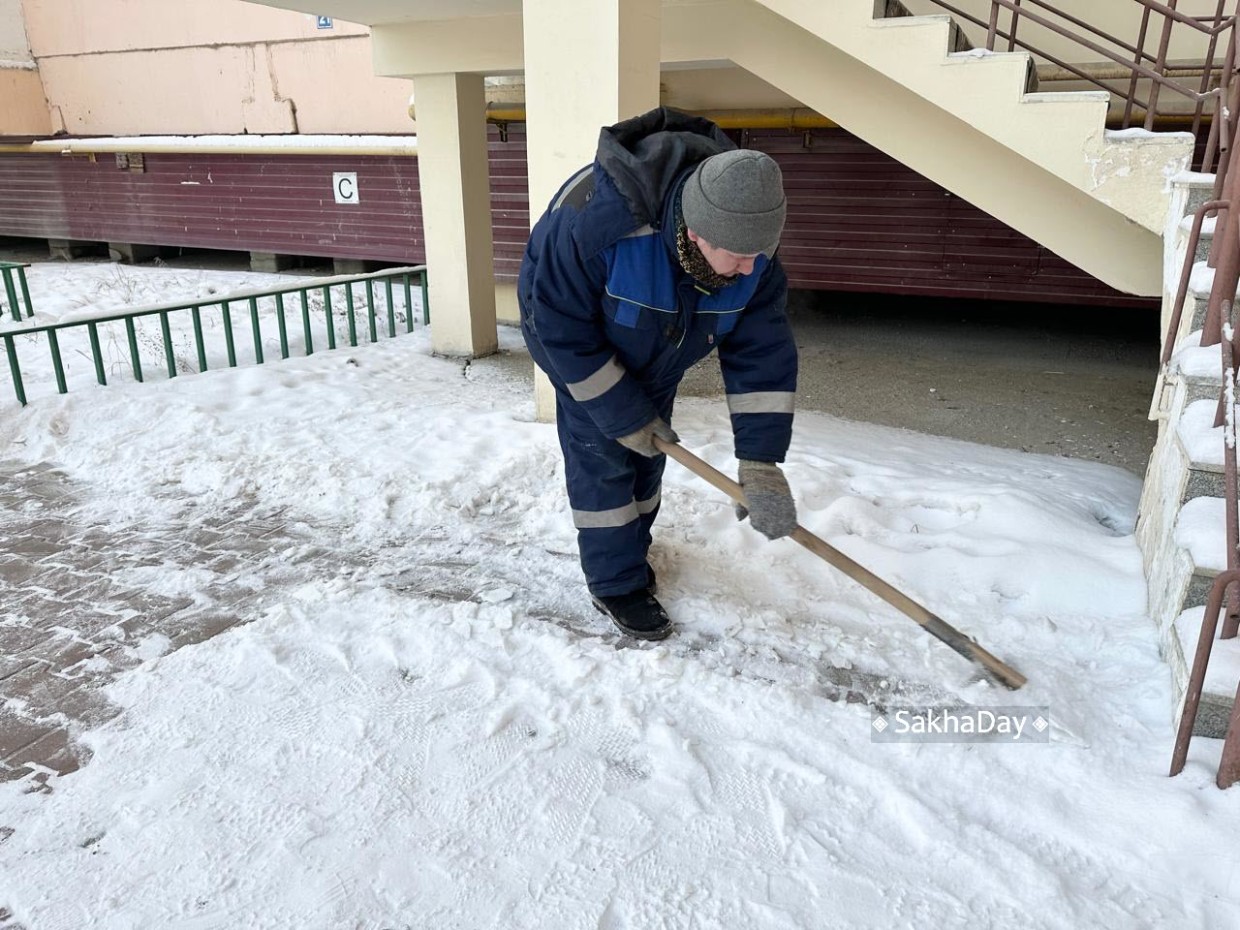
(443, 734)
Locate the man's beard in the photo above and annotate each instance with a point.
(694, 262)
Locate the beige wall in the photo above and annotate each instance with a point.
(75, 27)
(23, 108)
(13, 46)
(507, 309)
(117, 67)
(25, 111)
(720, 88)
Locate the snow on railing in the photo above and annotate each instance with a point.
(313, 295)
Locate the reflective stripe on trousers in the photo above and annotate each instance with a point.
(614, 495)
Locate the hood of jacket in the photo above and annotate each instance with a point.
(645, 155)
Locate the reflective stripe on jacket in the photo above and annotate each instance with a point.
(611, 317)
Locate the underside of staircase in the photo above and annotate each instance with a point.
(970, 120)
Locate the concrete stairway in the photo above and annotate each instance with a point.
(1180, 527)
(1042, 162)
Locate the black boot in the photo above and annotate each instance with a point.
(637, 613)
(652, 583)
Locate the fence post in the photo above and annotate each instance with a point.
(21, 279)
(11, 292)
(426, 303)
(15, 370)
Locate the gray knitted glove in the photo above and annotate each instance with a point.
(642, 441)
(771, 509)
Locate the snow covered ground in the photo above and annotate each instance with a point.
(449, 737)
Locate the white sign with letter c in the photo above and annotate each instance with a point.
(344, 185)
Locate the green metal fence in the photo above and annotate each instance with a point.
(372, 294)
(14, 275)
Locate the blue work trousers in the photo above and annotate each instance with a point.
(614, 494)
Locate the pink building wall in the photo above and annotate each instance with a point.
(134, 67)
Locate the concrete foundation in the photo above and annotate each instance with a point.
(66, 250)
(271, 262)
(131, 254)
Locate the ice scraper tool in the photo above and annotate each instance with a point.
(932, 624)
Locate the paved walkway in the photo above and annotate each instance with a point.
(74, 611)
(80, 601)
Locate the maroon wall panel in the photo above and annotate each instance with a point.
(268, 203)
(857, 219)
(32, 202)
(510, 200)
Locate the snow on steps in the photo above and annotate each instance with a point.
(1181, 524)
(1181, 532)
(1219, 691)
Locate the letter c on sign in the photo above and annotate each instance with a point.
(344, 186)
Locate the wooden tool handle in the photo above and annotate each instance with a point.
(934, 625)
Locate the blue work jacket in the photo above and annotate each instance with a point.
(612, 318)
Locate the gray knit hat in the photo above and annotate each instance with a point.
(735, 201)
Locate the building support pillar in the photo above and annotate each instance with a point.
(588, 64)
(454, 180)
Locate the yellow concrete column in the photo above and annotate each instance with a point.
(588, 64)
(456, 212)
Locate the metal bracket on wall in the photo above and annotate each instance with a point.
(135, 162)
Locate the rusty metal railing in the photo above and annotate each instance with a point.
(1135, 63)
(1229, 764)
(1218, 329)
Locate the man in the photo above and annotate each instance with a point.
(647, 260)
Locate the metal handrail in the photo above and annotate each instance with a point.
(9, 271)
(1218, 329)
(1212, 208)
(91, 320)
(1226, 586)
(1211, 26)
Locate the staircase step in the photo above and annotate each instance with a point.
(1057, 150)
(1031, 69)
(1222, 674)
(1195, 363)
(1199, 530)
(890, 9)
(1204, 482)
(959, 41)
(1069, 96)
(1200, 188)
(1200, 439)
(1199, 585)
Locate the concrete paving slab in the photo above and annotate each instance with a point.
(73, 616)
